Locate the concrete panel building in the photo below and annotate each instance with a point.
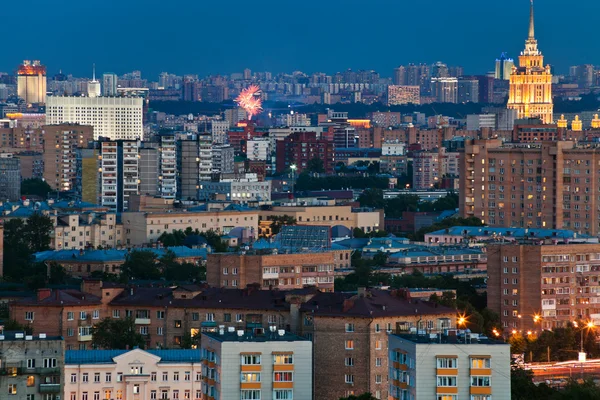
(148, 168)
(119, 173)
(10, 177)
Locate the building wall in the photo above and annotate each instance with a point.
(10, 177)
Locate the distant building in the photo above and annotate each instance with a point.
(149, 168)
(223, 157)
(218, 130)
(445, 89)
(258, 149)
(301, 147)
(109, 84)
(239, 190)
(504, 66)
(31, 82)
(10, 177)
(398, 95)
(468, 89)
(267, 363)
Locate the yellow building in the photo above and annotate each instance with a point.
(531, 83)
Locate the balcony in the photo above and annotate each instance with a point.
(50, 387)
(85, 338)
(142, 321)
(47, 371)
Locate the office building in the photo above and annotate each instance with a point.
(448, 366)
(114, 118)
(444, 89)
(119, 173)
(265, 364)
(398, 95)
(31, 82)
(504, 66)
(32, 366)
(531, 84)
(109, 84)
(10, 177)
(132, 374)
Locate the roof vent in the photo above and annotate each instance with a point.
(42, 336)
(281, 332)
(240, 333)
(29, 337)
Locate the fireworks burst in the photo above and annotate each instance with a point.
(249, 99)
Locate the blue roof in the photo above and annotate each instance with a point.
(106, 356)
(510, 232)
(114, 255)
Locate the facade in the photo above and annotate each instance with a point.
(10, 177)
(86, 230)
(119, 173)
(504, 67)
(272, 271)
(32, 366)
(446, 367)
(445, 89)
(265, 364)
(550, 185)
(133, 374)
(350, 337)
(241, 190)
(109, 84)
(148, 168)
(300, 147)
(168, 166)
(398, 95)
(468, 89)
(31, 82)
(115, 118)
(555, 280)
(187, 169)
(223, 157)
(531, 84)
(218, 131)
(258, 149)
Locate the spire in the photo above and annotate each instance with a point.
(94, 65)
(531, 23)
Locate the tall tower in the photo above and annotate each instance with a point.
(531, 83)
(94, 85)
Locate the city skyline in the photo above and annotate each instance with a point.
(270, 42)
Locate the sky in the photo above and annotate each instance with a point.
(224, 36)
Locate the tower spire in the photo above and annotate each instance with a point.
(94, 67)
(531, 23)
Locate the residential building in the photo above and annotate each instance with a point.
(187, 169)
(109, 84)
(149, 168)
(531, 83)
(119, 173)
(10, 177)
(223, 157)
(168, 165)
(115, 118)
(264, 364)
(300, 147)
(478, 234)
(457, 365)
(76, 230)
(31, 82)
(258, 149)
(133, 374)
(543, 284)
(218, 131)
(350, 337)
(398, 95)
(239, 190)
(445, 89)
(468, 89)
(31, 365)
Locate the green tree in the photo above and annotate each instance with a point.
(279, 221)
(372, 198)
(381, 258)
(175, 271)
(35, 187)
(315, 165)
(13, 325)
(117, 334)
(141, 264)
(37, 232)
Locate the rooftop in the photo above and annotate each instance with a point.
(107, 356)
(113, 254)
(248, 336)
(510, 232)
(457, 337)
(7, 336)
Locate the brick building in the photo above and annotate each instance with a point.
(301, 147)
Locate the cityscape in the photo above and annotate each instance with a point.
(417, 233)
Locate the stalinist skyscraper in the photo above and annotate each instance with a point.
(531, 83)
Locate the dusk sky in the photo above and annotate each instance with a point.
(210, 36)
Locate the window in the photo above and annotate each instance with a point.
(165, 376)
(378, 362)
(84, 396)
(480, 381)
(144, 330)
(479, 363)
(136, 389)
(377, 378)
(282, 395)
(446, 380)
(177, 323)
(160, 315)
(12, 388)
(28, 317)
(73, 378)
(250, 395)
(30, 381)
(349, 362)
(30, 397)
(119, 377)
(239, 317)
(96, 314)
(153, 377)
(250, 377)
(349, 378)
(187, 376)
(349, 344)
(251, 359)
(187, 395)
(378, 344)
(116, 313)
(30, 363)
(210, 317)
(377, 328)
(480, 397)
(446, 397)
(176, 376)
(96, 395)
(446, 363)
(97, 377)
(108, 377)
(70, 332)
(82, 315)
(70, 316)
(349, 327)
(159, 331)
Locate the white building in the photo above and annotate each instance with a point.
(116, 118)
(241, 190)
(269, 365)
(477, 121)
(393, 148)
(119, 173)
(109, 84)
(258, 149)
(205, 158)
(132, 374)
(168, 166)
(218, 131)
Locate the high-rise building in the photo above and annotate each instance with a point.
(87, 174)
(440, 70)
(398, 95)
(583, 75)
(149, 169)
(31, 82)
(10, 177)
(109, 84)
(218, 130)
(531, 84)
(445, 90)
(115, 118)
(301, 147)
(540, 184)
(504, 66)
(168, 165)
(93, 87)
(223, 157)
(119, 173)
(400, 76)
(468, 89)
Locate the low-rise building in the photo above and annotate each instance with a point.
(133, 374)
(265, 364)
(239, 190)
(31, 366)
(477, 234)
(448, 367)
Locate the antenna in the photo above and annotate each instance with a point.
(94, 70)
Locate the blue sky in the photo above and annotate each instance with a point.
(225, 36)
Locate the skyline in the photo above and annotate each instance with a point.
(271, 44)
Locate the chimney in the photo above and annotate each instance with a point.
(43, 293)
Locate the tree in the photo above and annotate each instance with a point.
(364, 396)
(174, 271)
(117, 334)
(141, 264)
(380, 259)
(372, 198)
(279, 221)
(316, 165)
(35, 187)
(13, 325)
(37, 232)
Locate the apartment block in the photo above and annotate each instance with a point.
(168, 166)
(531, 185)
(452, 366)
(31, 366)
(85, 230)
(300, 147)
(399, 95)
(267, 364)
(119, 173)
(544, 284)
(132, 374)
(10, 177)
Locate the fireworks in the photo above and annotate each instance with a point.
(249, 99)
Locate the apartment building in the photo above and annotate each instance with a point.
(31, 366)
(536, 285)
(476, 234)
(267, 364)
(133, 374)
(239, 190)
(119, 173)
(10, 177)
(146, 227)
(300, 147)
(456, 366)
(86, 230)
(285, 270)
(350, 337)
(532, 185)
(168, 166)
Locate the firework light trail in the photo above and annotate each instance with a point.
(249, 99)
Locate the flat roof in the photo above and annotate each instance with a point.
(249, 336)
(461, 338)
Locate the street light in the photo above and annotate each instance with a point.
(293, 167)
